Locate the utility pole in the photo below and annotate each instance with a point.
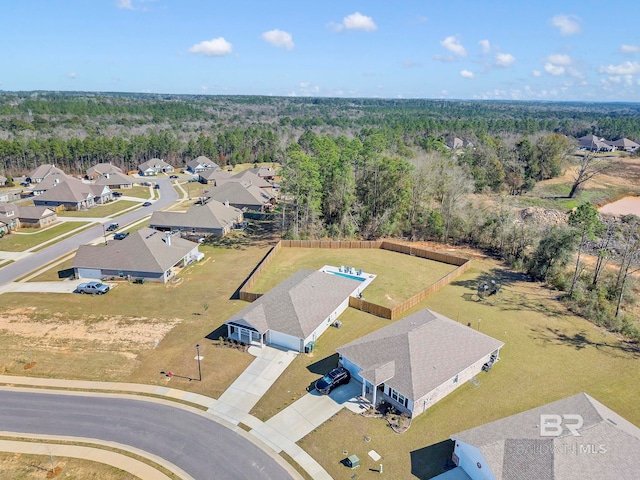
(198, 357)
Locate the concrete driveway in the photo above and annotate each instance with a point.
(66, 286)
(258, 377)
(312, 410)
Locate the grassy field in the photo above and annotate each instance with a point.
(137, 191)
(19, 466)
(399, 276)
(178, 315)
(107, 210)
(28, 238)
(548, 354)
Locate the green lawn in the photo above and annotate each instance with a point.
(107, 210)
(548, 355)
(399, 276)
(137, 191)
(27, 238)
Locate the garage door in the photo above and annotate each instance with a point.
(284, 340)
(90, 273)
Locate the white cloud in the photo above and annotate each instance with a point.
(560, 59)
(466, 74)
(630, 49)
(486, 46)
(537, 73)
(454, 46)
(72, 75)
(279, 38)
(124, 4)
(504, 59)
(554, 70)
(568, 25)
(626, 68)
(355, 21)
(215, 47)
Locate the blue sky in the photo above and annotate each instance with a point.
(474, 49)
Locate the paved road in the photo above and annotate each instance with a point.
(13, 271)
(203, 448)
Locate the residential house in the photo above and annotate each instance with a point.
(73, 194)
(3, 181)
(595, 144)
(115, 180)
(241, 195)
(201, 164)
(36, 217)
(146, 253)
(266, 173)
(415, 362)
(154, 167)
(454, 143)
(213, 218)
(295, 312)
(247, 176)
(624, 144)
(213, 176)
(9, 216)
(570, 439)
(101, 169)
(49, 182)
(17, 216)
(41, 172)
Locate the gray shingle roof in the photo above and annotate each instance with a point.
(114, 179)
(44, 170)
(102, 168)
(214, 174)
(298, 305)
(154, 163)
(34, 213)
(68, 191)
(238, 193)
(247, 176)
(203, 162)
(211, 215)
(608, 445)
(427, 350)
(145, 250)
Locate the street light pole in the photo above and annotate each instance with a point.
(104, 232)
(198, 357)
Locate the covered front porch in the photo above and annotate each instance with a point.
(244, 334)
(375, 395)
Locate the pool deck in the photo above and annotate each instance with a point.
(364, 277)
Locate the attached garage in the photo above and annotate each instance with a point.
(89, 273)
(286, 341)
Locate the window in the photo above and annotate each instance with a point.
(398, 397)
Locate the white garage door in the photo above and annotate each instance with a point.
(284, 340)
(89, 273)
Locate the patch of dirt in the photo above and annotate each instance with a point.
(118, 333)
(55, 472)
(542, 216)
(29, 366)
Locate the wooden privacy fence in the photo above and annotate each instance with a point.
(358, 303)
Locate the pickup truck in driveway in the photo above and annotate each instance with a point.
(94, 288)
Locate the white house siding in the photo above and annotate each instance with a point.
(284, 340)
(320, 329)
(468, 457)
(441, 391)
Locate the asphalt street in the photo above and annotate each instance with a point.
(15, 270)
(201, 447)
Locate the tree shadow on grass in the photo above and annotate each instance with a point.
(580, 341)
(502, 276)
(433, 460)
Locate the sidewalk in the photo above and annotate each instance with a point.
(266, 436)
(118, 460)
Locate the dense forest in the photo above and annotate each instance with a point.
(369, 168)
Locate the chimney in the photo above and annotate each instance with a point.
(226, 203)
(167, 238)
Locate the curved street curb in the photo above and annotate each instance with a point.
(130, 465)
(172, 397)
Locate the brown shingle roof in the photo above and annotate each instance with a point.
(239, 193)
(427, 350)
